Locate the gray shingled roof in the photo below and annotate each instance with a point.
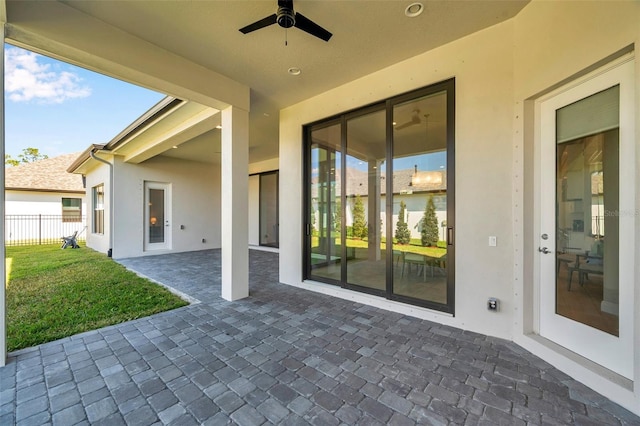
(44, 175)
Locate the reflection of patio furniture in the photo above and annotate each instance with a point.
(423, 261)
(414, 259)
(397, 255)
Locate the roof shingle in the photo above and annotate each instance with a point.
(49, 174)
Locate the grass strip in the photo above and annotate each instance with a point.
(53, 293)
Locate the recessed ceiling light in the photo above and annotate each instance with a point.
(414, 9)
(175, 147)
(218, 127)
(294, 71)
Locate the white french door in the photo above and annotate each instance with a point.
(586, 200)
(157, 216)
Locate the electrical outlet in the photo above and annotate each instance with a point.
(492, 304)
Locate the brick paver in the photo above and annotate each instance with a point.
(285, 356)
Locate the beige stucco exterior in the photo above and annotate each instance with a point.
(497, 72)
(195, 197)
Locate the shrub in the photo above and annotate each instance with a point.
(403, 235)
(429, 231)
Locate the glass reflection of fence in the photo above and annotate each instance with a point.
(37, 229)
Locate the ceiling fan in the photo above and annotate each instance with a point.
(287, 18)
(415, 119)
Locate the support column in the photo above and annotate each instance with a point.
(3, 297)
(235, 203)
(374, 210)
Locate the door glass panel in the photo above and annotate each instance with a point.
(587, 211)
(269, 209)
(364, 212)
(420, 198)
(156, 215)
(325, 211)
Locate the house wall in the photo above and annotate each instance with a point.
(497, 71)
(33, 202)
(195, 203)
(484, 90)
(98, 175)
(577, 37)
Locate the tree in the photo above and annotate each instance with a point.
(429, 231)
(29, 155)
(359, 222)
(314, 231)
(337, 215)
(403, 234)
(9, 161)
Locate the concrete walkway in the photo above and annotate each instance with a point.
(285, 356)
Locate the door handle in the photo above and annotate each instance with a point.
(544, 250)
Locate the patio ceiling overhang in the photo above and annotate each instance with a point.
(173, 127)
(194, 51)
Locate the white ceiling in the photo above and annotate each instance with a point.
(367, 36)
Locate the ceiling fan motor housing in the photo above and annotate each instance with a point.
(285, 17)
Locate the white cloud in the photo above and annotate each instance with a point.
(28, 79)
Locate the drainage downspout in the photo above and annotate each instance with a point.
(111, 198)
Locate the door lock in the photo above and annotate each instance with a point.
(544, 250)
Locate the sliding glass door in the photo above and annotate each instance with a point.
(269, 209)
(420, 198)
(324, 249)
(380, 202)
(364, 207)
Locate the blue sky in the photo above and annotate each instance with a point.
(60, 109)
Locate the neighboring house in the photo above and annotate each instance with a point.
(524, 103)
(42, 201)
(412, 186)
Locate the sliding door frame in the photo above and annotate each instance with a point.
(387, 105)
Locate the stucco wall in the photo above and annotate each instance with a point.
(577, 37)
(195, 203)
(98, 175)
(497, 71)
(31, 202)
(484, 89)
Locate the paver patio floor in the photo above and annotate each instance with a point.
(285, 356)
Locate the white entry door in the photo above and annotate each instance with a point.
(587, 210)
(157, 216)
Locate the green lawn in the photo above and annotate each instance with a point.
(54, 293)
(414, 247)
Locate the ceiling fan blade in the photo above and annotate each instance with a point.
(264, 22)
(308, 26)
(405, 125)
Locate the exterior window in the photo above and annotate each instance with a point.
(71, 209)
(98, 209)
